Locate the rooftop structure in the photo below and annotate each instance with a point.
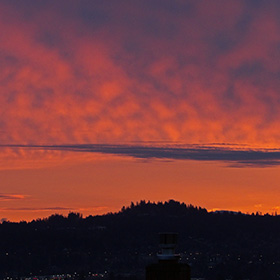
(168, 266)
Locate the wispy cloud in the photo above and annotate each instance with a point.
(35, 209)
(4, 197)
(53, 209)
(233, 156)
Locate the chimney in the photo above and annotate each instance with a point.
(168, 242)
(168, 266)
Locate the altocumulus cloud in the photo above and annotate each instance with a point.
(104, 71)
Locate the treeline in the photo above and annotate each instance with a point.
(127, 240)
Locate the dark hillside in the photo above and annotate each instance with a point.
(213, 243)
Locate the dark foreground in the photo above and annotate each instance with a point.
(119, 246)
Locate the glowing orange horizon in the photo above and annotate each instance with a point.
(177, 73)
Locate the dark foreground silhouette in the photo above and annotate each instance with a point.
(216, 245)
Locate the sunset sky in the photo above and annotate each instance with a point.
(107, 102)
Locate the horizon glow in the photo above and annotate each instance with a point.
(103, 103)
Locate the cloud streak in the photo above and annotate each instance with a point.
(7, 197)
(39, 209)
(52, 209)
(233, 155)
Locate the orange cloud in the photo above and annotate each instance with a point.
(4, 197)
(185, 72)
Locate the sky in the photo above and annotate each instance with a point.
(107, 102)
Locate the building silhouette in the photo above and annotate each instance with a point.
(168, 266)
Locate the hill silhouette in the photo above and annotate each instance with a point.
(216, 245)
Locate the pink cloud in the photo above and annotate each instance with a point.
(176, 71)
